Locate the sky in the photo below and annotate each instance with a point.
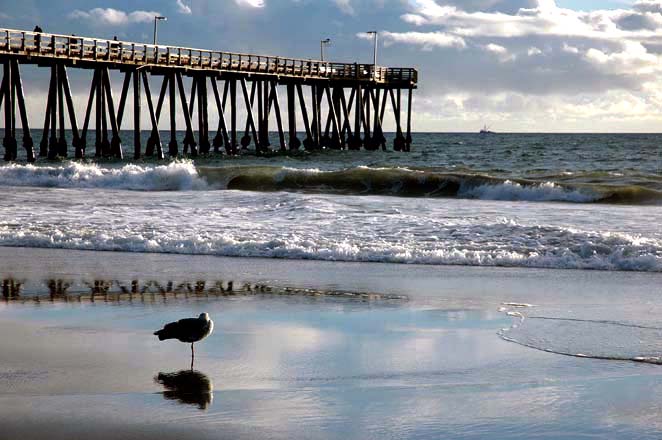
(515, 65)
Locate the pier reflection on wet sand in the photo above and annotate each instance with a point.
(60, 289)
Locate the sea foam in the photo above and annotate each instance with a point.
(175, 176)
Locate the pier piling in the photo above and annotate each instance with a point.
(334, 121)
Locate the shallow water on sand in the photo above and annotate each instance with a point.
(428, 365)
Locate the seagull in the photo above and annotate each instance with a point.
(189, 330)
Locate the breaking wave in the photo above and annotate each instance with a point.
(175, 176)
(403, 182)
(421, 183)
(554, 248)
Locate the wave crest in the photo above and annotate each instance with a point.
(362, 180)
(175, 176)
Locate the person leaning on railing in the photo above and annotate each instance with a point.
(37, 38)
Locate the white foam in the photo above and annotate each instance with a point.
(333, 228)
(509, 190)
(178, 175)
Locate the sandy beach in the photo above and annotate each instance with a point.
(294, 366)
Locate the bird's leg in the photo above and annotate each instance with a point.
(192, 356)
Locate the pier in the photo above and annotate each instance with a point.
(342, 105)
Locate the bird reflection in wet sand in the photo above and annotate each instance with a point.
(188, 387)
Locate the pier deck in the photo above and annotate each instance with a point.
(338, 121)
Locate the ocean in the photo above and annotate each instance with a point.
(500, 286)
(567, 201)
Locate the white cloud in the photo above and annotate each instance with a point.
(112, 17)
(345, 6)
(426, 40)
(183, 8)
(251, 3)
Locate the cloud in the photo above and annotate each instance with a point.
(345, 6)
(183, 8)
(426, 40)
(112, 17)
(251, 3)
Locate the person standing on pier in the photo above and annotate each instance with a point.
(37, 38)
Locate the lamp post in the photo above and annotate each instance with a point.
(156, 20)
(374, 52)
(322, 44)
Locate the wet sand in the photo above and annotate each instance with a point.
(306, 366)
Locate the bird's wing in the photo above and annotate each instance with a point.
(191, 324)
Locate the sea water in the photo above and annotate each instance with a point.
(520, 200)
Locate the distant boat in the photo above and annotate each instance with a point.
(486, 130)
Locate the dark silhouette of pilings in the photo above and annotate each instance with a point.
(341, 106)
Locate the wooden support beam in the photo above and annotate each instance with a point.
(204, 139)
(201, 123)
(408, 139)
(28, 143)
(116, 143)
(125, 91)
(14, 147)
(355, 141)
(368, 142)
(162, 93)
(308, 141)
(88, 112)
(261, 143)
(194, 86)
(153, 143)
(273, 100)
(232, 148)
(189, 139)
(399, 141)
(346, 126)
(381, 113)
(8, 140)
(315, 121)
(335, 123)
(64, 79)
(337, 106)
(2, 90)
(99, 110)
(62, 139)
(156, 140)
(326, 139)
(136, 115)
(105, 141)
(294, 142)
(173, 148)
(222, 132)
(245, 141)
(43, 145)
(226, 89)
(267, 113)
(52, 142)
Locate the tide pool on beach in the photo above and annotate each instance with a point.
(425, 360)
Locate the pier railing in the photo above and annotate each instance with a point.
(77, 48)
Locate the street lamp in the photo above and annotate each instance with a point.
(156, 20)
(322, 43)
(374, 53)
(374, 42)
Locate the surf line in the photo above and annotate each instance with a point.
(654, 360)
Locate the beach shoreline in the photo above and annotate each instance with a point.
(300, 366)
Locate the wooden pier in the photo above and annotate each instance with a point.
(342, 105)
